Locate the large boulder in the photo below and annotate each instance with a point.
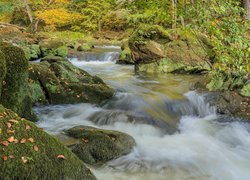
(157, 50)
(27, 152)
(126, 55)
(15, 88)
(53, 47)
(97, 146)
(56, 81)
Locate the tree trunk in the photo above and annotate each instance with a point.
(247, 8)
(29, 12)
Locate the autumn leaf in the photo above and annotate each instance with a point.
(61, 156)
(8, 125)
(11, 156)
(10, 131)
(27, 127)
(11, 139)
(23, 141)
(16, 141)
(13, 121)
(31, 140)
(5, 158)
(0, 131)
(5, 143)
(85, 140)
(36, 148)
(24, 159)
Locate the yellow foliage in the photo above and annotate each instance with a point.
(57, 17)
(62, 1)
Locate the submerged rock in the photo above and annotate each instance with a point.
(62, 83)
(97, 146)
(15, 89)
(157, 50)
(27, 152)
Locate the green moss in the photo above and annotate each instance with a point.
(2, 69)
(62, 51)
(97, 146)
(245, 91)
(37, 93)
(32, 52)
(15, 89)
(84, 47)
(38, 159)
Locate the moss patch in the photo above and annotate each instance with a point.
(27, 152)
(2, 69)
(97, 146)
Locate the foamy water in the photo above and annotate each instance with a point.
(178, 135)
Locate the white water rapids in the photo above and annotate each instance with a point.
(178, 136)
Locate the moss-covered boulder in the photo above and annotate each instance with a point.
(32, 52)
(15, 89)
(126, 55)
(27, 152)
(245, 91)
(97, 146)
(157, 50)
(84, 47)
(2, 69)
(62, 83)
(53, 47)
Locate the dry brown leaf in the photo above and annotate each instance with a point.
(61, 156)
(27, 127)
(31, 140)
(13, 121)
(24, 159)
(11, 139)
(5, 158)
(16, 141)
(11, 156)
(10, 131)
(36, 148)
(85, 140)
(5, 143)
(23, 141)
(0, 131)
(8, 125)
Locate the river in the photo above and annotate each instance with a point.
(178, 135)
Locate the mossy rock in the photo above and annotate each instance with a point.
(126, 54)
(62, 51)
(27, 152)
(49, 47)
(15, 90)
(32, 52)
(84, 47)
(182, 52)
(2, 69)
(63, 83)
(97, 146)
(245, 91)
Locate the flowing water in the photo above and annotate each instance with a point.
(178, 135)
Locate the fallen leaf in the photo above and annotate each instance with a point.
(61, 156)
(8, 125)
(11, 156)
(85, 140)
(5, 143)
(0, 131)
(36, 148)
(11, 139)
(24, 159)
(31, 140)
(23, 141)
(5, 158)
(27, 127)
(16, 141)
(10, 131)
(13, 121)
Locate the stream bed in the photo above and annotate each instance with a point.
(178, 135)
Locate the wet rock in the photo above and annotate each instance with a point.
(63, 83)
(53, 48)
(126, 54)
(97, 146)
(30, 153)
(15, 89)
(230, 103)
(84, 47)
(157, 50)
